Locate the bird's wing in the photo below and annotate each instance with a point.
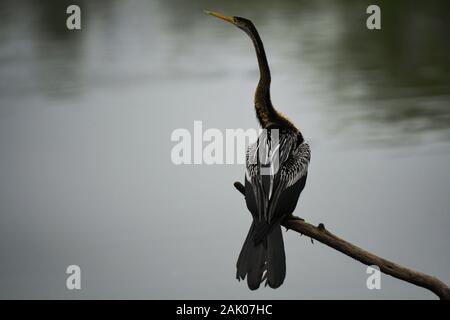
(296, 166)
(252, 174)
(272, 168)
(293, 169)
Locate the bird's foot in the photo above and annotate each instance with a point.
(292, 217)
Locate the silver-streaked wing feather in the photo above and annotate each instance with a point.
(296, 166)
(293, 169)
(286, 163)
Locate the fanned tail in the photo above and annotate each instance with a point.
(264, 259)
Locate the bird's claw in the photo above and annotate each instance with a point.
(292, 217)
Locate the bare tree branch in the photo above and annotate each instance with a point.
(322, 235)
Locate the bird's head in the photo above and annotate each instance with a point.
(242, 23)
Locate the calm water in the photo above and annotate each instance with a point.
(85, 124)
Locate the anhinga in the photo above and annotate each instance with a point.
(276, 171)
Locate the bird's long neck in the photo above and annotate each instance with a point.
(265, 112)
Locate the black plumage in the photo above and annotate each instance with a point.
(276, 172)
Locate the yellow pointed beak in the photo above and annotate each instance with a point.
(218, 15)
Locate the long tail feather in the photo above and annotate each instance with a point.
(265, 260)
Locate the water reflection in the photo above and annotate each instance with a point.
(403, 69)
(393, 81)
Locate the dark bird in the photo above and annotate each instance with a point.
(276, 171)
